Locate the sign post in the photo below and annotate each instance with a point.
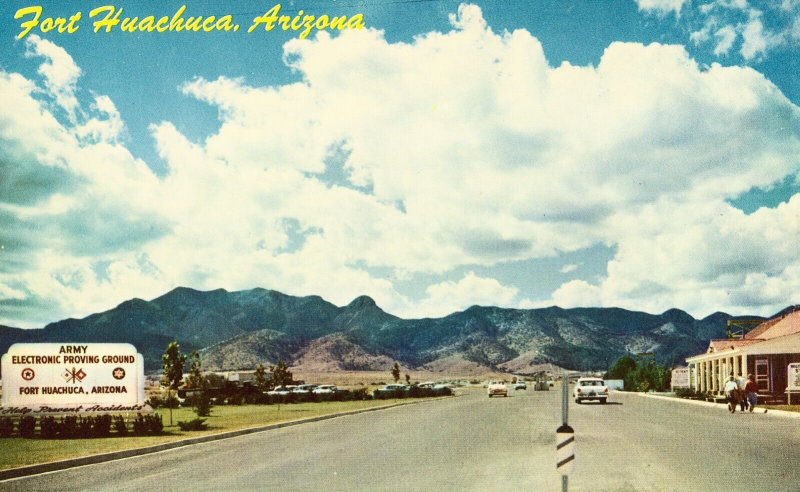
(565, 438)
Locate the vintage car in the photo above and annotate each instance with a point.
(496, 388)
(590, 389)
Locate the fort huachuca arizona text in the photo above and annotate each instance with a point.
(111, 19)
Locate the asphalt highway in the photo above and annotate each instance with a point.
(475, 443)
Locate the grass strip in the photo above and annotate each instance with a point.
(17, 451)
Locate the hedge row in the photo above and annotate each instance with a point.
(78, 427)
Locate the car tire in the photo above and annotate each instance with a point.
(603, 401)
(578, 401)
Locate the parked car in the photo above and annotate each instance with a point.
(427, 384)
(281, 390)
(325, 389)
(304, 389)
(391, 391)
(590, 389)
(497, 388)
(520, 385)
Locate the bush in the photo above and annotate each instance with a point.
(357, 394)
(193, 425)
(6, 427)
(140, 425)
(101, 427)
(120, 425)
(27, 426)
(85, 427)
(155, 424)
(68, 428)
(48, 427)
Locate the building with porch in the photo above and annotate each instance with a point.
(765, 352)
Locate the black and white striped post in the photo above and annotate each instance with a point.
(565, 439)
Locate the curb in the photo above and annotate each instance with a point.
(25, 471)
(780, 413)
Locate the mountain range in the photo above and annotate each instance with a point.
(237, 330)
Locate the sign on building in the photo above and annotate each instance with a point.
(61, 377)
(680, 377)
(794, 377)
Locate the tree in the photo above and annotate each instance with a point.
(396, 372)
(263, 383)
(621, 368)
(172, 379)
(281, 376)
(408, 378)
(199, 383)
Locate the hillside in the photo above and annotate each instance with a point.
(244, 328)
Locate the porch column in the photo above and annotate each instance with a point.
(703, 371)
(713, 387)
(737, 369)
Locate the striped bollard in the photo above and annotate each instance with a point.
(565, 449)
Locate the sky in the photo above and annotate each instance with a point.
(637, 154)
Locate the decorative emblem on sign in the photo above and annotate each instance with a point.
(118, 373)
(74, 375)
(28, 374)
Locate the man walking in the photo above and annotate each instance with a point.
(730, 392)
(751, 388)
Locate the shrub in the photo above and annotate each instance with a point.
(101, 427)
(69, 427)
(140, 425)
(357, 394)
(120, 425)
(27, 426)
(48, 427)
(197, 424)
(232, 400)
(85, 427)
(154, 424)
(6, 427)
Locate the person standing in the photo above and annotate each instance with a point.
(751, 388)
(730, 392)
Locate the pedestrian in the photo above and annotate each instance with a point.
(741, 394)
(730, 390)
(751, 388)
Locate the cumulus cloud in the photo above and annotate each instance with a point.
(518, 160)
(447, 297)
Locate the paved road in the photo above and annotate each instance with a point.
(476, 443)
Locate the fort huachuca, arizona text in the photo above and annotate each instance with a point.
(112, 18)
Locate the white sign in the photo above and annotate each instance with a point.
(794, 377)
(680, 377)
(62, 376)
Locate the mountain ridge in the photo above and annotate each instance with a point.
(239, 329)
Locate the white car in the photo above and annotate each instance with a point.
(497, 388)
(590, 389)
(304, 388)
(281, 390)
(325, 389)
(520, 385)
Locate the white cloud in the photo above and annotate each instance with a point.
(725, 36)
(577, 293)
(518, 160)
(569, 268)
(662, 6)
(447, 297)
(59, 71)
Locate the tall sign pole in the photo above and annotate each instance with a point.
(565, 438)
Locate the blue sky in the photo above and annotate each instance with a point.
(640, 154)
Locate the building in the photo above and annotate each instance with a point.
(766, 352)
